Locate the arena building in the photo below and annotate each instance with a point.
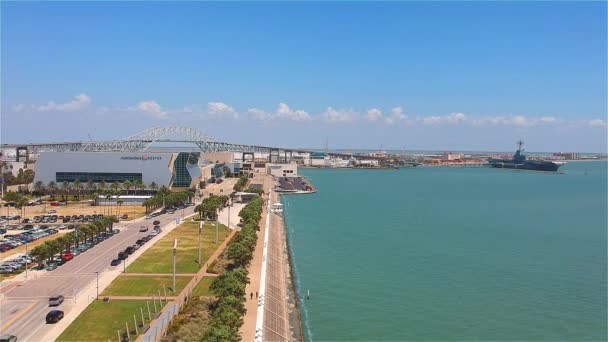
(179, 170)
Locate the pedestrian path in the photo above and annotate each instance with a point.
(158, 274)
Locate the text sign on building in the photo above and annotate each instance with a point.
(144, 157)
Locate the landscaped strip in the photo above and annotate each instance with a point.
(145, 286)
(159, 258)
(101, 321)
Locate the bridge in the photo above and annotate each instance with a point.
(142, 141)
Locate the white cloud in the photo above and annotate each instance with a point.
(597, 123)
(374, 114)
(283, 112)
(452, 118)
(397, 115)
(150, 107)
(339, 115)
(219, 109)
(78, 102)
(548, 119)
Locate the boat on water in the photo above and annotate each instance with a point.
(519, 161)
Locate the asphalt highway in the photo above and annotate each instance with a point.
(23, 308)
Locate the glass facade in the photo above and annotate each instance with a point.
(180, 168)
(96, 177)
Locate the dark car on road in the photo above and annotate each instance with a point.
(130, 250)
(54, 316)
(55, 301)
(156, 223)
(122, 256)
(8, 338)
(115, 262)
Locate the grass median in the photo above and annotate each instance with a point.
(159, 258)
(145, 285)
(202, 288)
(100, 321)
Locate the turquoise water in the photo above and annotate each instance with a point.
(452, 254)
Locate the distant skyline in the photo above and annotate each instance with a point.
(394, 75)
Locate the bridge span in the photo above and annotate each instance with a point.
(142, 141)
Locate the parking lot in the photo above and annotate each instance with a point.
(25, 307)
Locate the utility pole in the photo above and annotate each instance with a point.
(97, 284)
(174, 255)
(200, 232)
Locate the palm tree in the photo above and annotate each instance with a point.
(77, 186)
(40, 253)
(109, 194)
(102, 184)
(52, 187)
(39, 187)
(153, 186)
(127, 185)
(119, 202)
(90, 186)
(65, 187)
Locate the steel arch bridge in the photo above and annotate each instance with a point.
(143, 140)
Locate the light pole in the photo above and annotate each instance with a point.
(174, 255)
(97, 273)
(200, 232)
(124, 264)
(229, 205)
(217, 223)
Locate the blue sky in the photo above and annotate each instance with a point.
(415, 75)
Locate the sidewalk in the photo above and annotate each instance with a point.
(247, 330)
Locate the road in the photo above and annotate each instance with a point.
(23, 308)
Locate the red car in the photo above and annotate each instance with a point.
(55, 204)
(67, 256)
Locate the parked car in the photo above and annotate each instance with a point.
(54, 316)
(115, 231)
(124, 216)
(55, 301)
(156, 223)
(51, 266)
(67, 256)
(122, 256)
(143, 229)
(8, 338)
(115, 262)
(129, 250)
(52, 211)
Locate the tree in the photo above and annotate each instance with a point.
(119, 202)
(153, 186)
(65, 188)
(127, 185)
(52, 188)
(39, 188)
(78, 187)
(227, 172)
(240, 253)
(90, 187)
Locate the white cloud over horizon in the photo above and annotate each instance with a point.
(283, 112)
(78, 102)
(221, 110)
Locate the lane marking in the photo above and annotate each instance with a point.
(23, 312)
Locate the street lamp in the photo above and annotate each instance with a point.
(97, 273)
(217, 223)
(200, 232)
(174, 255)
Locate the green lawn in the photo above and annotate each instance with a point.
(100, 321)
(202, 288)
(144, 286)
(159, 258)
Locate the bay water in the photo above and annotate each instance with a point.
(445, 253)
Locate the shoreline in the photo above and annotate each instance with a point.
(295, 316)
